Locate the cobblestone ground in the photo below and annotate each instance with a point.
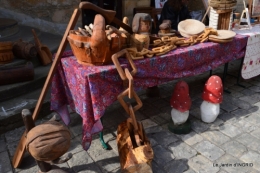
(230, 144)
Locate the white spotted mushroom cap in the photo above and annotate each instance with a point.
(180, 98)
(213, 90)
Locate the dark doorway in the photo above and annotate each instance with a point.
(88, 15)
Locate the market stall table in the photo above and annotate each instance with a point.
(90, 89)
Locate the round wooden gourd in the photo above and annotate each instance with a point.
(48, 141)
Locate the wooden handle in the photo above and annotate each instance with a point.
(205, 14)
(36, 39)
(108, 14)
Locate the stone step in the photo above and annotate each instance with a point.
(15, 97)
(24, 33)
(10, 110)
(8, 27)
(41, 72)
(14, 90)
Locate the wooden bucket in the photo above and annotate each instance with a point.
(24, 50)
(6, 54)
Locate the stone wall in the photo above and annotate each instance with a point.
(195, 5)
(50, 10)
(54, 15)
(129, 5)
(49, 15)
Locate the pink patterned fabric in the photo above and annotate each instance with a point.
(90, 89)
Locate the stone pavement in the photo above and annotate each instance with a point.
(230, 144)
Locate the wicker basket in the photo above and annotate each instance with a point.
(85, 53)
(6, 54)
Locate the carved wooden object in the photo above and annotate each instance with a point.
(43, 51)
(6, 54)
(24, 50)
(134, 148)
(15, 74)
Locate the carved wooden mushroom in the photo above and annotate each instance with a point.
(180, 103)
(212, 96)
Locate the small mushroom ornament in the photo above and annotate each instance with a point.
(212, 96)
(180, 103)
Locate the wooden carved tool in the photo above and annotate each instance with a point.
(43, 51)
(21, 146)
(15, 74)
(135, 151)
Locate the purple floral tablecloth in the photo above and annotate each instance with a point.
(90, 89)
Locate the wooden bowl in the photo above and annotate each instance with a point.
(190, 27)
(224, 34)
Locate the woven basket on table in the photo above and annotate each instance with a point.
(85, 54)
(6, 54)
(97, 49)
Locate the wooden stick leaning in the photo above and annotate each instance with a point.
(205, 14)
(21, 146)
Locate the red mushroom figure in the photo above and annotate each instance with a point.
(212, 96)
(180, 103)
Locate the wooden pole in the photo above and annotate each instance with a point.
(21, 146)
(205, 14)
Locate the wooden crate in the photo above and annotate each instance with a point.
(220, 19)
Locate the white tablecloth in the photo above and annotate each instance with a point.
(251, 64)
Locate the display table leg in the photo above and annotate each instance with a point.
(237, 77)
(104, 145)
(224, 77)
(239, 73)
(153, 91)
